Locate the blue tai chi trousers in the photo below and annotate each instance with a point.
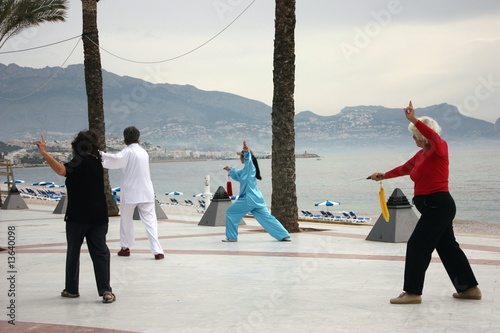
(239, 209)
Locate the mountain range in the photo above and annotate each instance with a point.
(184, 117)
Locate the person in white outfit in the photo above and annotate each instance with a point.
(136, 191)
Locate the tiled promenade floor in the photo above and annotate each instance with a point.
(323, 281)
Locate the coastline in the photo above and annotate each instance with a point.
(305, 155)
(22, 166)
(459, 226)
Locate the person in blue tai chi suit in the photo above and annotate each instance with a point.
(250, 199)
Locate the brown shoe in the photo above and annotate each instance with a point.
(159, 256)
(406, 298)
(64, 293)
(124, 252)
(471, 293)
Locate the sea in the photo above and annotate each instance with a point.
(474, 181)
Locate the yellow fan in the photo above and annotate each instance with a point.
(383, 204)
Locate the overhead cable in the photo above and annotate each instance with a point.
(119, 57)
(181, 55)
(42, 46)
(46, 82)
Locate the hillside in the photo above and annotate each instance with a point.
(167, 114)
(377, 126)
(184, 117)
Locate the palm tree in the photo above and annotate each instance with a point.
(93, 84)
(284, 194)
(17, 15)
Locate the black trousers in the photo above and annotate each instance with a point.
(95, 235)
(434, 230)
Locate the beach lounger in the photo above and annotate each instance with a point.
(25, 193)
(305, 214)
(356, 218)
(325, 214)
(314, 216)
(336, 218)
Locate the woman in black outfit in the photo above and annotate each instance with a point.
(86, 214)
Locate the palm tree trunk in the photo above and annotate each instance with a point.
(284, 194)
(93, 83)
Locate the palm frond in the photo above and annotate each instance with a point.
(17, 15)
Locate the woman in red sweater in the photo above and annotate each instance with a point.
(429, 171)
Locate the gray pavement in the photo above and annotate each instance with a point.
(327, 280)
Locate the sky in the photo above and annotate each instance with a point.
(348, 53)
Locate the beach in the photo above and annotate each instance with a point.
(340, 178)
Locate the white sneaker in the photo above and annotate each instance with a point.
(229, 240)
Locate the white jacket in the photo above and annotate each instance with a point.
(135, 178)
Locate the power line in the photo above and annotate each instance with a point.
(181, 55)
(46, 82)
(129, 60)
(42, 46)
(139, 62)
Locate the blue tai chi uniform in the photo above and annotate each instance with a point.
(250, 200)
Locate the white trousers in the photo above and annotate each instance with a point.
(147, 214)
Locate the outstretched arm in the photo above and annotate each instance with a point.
(114, 161)
(57, 166)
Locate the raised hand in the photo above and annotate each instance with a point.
(410, 113)
(41, 145)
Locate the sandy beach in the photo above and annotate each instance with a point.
(460, 226)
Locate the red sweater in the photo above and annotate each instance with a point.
(428, 170)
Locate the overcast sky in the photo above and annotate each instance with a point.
(348, 53)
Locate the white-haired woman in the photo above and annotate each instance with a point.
(429, 171)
